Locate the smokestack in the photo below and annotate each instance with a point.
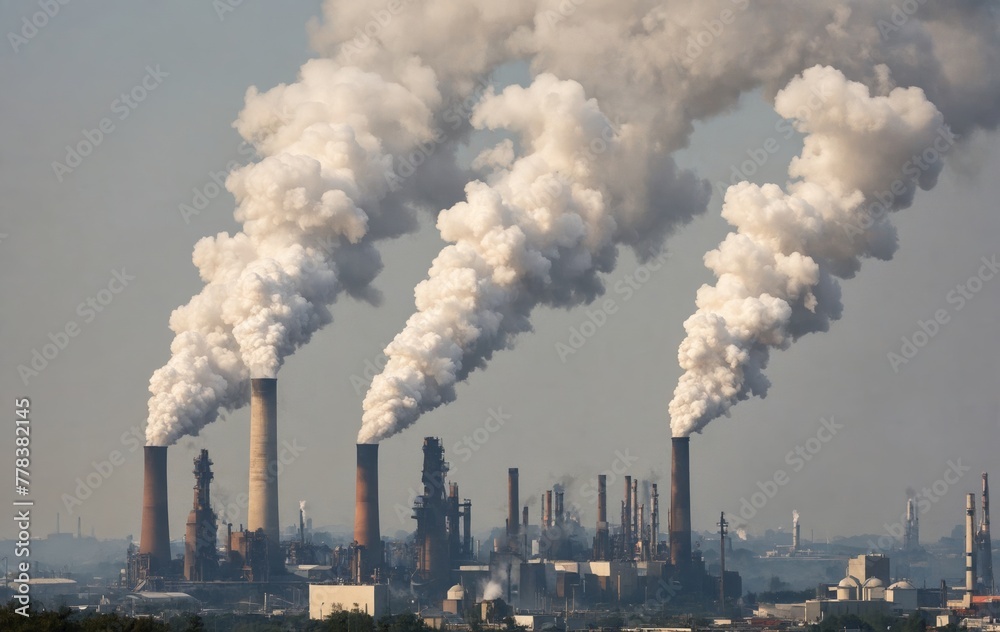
(908, 531)
(643, 549)
(654, 526)
(627, 518)
(524, 518)
(559, 506)
(602, 499)
(547, 519)
(795, 531)
(636, 534)
(985, 561)
(680, 504)
(366, 521)
(302, 525)
(970, 543)
(155, 537)
(512, 501)
(602, 541)
(262, 512)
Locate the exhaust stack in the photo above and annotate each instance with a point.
(512, 503)
(654, 523)
(367, 532)
(262, 512)
(547, 517)
(627, 519)
(680, 504)
(970, 551)
(155, 536)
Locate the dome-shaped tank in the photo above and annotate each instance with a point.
(873, 589)
(847, 589)
(456, 592)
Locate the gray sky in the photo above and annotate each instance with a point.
(569, 417)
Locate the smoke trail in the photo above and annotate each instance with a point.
(795, 517)
(310, 209)
(864, 155)
(336, 149)
(539, 231)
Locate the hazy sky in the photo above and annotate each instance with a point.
(569, 418)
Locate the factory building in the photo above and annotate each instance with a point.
(536, 568)
(372, 599)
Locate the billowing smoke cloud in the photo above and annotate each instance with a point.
(795, 517)
(539, 230)
(337, 151)
(310, 210)
(864, 155)
(390, 94)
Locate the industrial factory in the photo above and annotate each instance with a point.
(527, 568)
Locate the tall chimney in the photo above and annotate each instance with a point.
(636, 534)
(643, 546)
(796, 528)
(602, 499)
(559, 506)
(262, 512)
(680, 504)
(602, 539)
(512, 501)
(985, 540)
(970, 543)
(155, 537)
(524, 518)
(547, 519)
(367, 532)
(627, 519)
(654, 523)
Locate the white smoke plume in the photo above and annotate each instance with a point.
(864, 155)
(539, 230)
(309, 209)
(492, 591)
(390, 90)
(659, 66)
(795, 517)
(336, 150)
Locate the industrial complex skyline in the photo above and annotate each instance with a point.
(897, 400)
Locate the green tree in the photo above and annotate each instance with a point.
(405, 622)
(350, 621)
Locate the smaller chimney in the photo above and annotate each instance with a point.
(627, 519)
(970, 550)
(548, 508)
(636, 534)
(795, 531)
(512, 501)
(654, 527)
